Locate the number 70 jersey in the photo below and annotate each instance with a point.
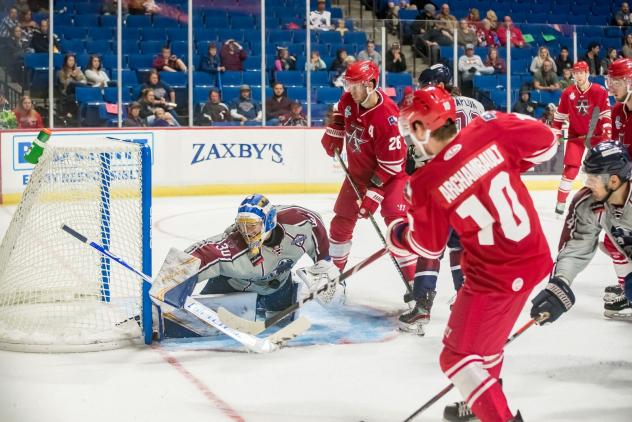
(474, 186)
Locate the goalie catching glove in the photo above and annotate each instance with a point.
(318, 276)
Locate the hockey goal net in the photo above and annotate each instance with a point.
(57, 294)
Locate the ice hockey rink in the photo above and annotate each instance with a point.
(358, 368)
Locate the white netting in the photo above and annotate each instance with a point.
(56, 293)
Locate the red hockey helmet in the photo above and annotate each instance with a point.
(620, 69)
(362, 72)
(580, 67)
(433, 106)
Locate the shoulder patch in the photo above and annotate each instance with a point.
(489, 115)
(392, 120)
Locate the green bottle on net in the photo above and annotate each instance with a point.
(37, 148)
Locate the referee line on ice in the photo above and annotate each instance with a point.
(212, 397)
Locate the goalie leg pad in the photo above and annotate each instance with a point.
(282, 298)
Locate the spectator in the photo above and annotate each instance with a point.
(162, 118)
(545, 79)
(471, 64)
(474, 19)
(147, 104)
(626, 50)
(465, 34)
(486, 36)
(563, 61)
(167, 62)
(70, 76)
(543, 55)
(15, 47)
(492, 18)
(341, 28)
(214, 111)
(524, 105)
(244, 108)
(547, 116)
(95, 75)
(446, 21)
(110, 7)
(395, 60)
(515, 33)
(492, 60)
(133, 116)
(232, 55)
(407, 97)
(370, 53)
(339, 81)
(338, 64)
(164, 95)
(425, 21)
(611, 56)
(39, 41)
(622, 17)
(428, 42)
(316, 63)
(592, 58)
(28, 25)
(567, 78)
(278, 104)
(9, 23)
(26, 116)
(211, 63)
(295, 117)
(320, 19)
(284, 60)
(22, 6)
(5, 105)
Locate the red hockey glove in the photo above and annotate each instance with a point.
(334, 133)
(370, 202)
(396, 238)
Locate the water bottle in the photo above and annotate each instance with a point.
(37, 148)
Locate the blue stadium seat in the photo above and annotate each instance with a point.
(165, 22)
(252, 63)
(355, 38)
(86, 21)
(241, 22)
(200, 94)
(204, 36)
(138, 21)
(297, 93)
(140, 61)
(336, 13)
(89, 100)
(329, 37)
(154, 34)
(320, 78)
(63, 19)
(100, 34)
(280, 36)
(399, 79)
(70, 32)
(203, 78)
(73, 46)
(219, 22)
(181, 49)
(290, 77)
(231, 78)
(230, 93)
(98, 47)
(130, 47)
(108, 21)
(177, 34)
(328, 95)
(151, 47)
(175, 79)
(110, 95)
(235, 34)
(87, 8)
(132, 34)
(253, 77)
(109, 61)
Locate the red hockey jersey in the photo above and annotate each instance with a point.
(474, 186)
(372, 139)
(576, 107)
(622, 125)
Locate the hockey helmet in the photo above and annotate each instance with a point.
(580, 67)
(255, 220)
(608, 158)
(433, 106)
(620, 69)
(435, 74)
(362, 72)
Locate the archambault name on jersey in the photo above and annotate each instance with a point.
(473, 170)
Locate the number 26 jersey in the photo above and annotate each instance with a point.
(474, 186)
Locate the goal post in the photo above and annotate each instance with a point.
(57, 295)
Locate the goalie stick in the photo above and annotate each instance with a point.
(409, 289)
(448, 388)
(207, 315)
(256, 327)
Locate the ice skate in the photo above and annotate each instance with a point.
(560, 207)
(619, 309)
(458, 412)
(612, 292)
(414, 320)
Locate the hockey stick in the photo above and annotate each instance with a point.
(592, 125)
(409, 289)
(447, 389)
(256, 327)
(204, 314)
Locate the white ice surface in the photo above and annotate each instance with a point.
(578, 369)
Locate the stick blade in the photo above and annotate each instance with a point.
(290, 331)
(238, 323)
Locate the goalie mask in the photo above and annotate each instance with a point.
(431, 107)
(256, 218)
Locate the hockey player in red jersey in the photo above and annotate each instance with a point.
(364, 121)
(473, 185)
(576, 107)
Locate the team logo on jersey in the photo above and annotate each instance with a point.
(347, 111)
(582, 107)
(452, 151)
(392, 120)
(299, 240)
(572, 96)
(354, 139)
(623, 237)
(617, 123)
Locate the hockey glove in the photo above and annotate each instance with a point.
(627, 287)
(371, 201)
(318, 276)
(556, 298)
(334, 133)
(396, 238)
